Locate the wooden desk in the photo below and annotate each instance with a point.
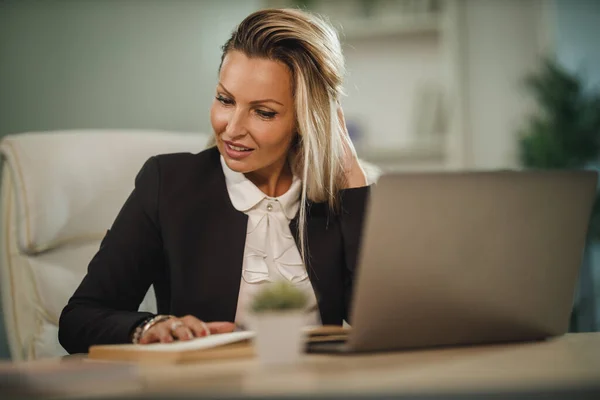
(571, 361)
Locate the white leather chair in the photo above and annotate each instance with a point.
(60, 192)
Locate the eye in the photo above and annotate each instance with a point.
(266, 114)
(224, 100)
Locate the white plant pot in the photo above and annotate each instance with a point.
(279, 338)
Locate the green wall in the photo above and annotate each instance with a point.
(111, 64)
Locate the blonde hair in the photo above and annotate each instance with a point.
(311, 49)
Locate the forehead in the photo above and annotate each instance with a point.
(255, 78)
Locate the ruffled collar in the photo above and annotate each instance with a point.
(245, 195)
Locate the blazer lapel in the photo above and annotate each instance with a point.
(220, 235)
(322, 261)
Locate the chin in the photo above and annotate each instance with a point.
(238, 166)
(241, 166)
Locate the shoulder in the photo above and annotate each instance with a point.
(179, 170)
(182, 164)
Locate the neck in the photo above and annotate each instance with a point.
(273, 180)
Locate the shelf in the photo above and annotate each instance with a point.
(353, 22)
(413, 154)
(376, 27)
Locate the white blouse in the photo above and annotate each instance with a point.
(270, 253)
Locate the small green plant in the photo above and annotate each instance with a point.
(564, 133)
(280, 296)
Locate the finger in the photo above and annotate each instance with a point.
(197, 327)
(348, 145)
(220, 327)
(349, 148)
(178, 329)
(149, 337)
(154, 335)
(183, 333)
(163, 331)
(342, 119)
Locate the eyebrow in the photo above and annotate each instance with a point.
(252, 102)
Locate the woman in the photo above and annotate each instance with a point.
(280, 196)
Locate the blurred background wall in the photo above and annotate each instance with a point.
(111, 63)
(153, 65)
(576, 35)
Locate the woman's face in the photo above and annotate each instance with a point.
(253, 114)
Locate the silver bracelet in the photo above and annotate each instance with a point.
(141, 330)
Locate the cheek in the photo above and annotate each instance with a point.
(218, 119)
(273, 137)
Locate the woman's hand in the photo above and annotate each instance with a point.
(184, 328)
(355, 176)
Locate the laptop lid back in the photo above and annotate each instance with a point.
(465, 258)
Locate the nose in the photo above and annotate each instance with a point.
(236, 125)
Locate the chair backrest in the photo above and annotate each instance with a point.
(60, 192)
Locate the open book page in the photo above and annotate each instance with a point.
(202, 343)
(221, 346)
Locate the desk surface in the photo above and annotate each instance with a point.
(571, 361)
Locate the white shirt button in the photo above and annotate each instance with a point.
(269, 207)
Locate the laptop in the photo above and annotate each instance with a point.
(463, 258)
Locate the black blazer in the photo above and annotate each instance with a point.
(179, 232)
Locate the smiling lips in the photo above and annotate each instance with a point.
(237, 151)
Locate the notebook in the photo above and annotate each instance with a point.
(215, 347)
(222, 346)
